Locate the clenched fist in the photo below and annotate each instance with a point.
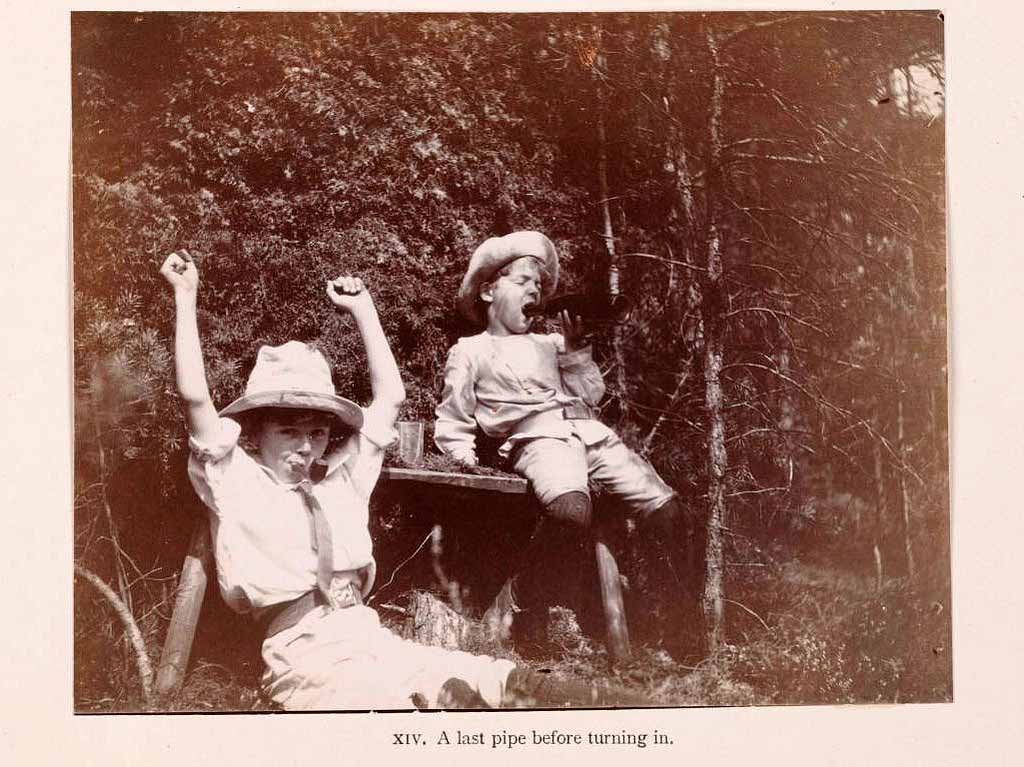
(180, 271)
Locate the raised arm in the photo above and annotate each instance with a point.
(455, 427)
(350, 294)
(203, 422)
(580, 375)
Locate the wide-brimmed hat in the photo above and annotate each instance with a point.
(493, 254)
(296, 376)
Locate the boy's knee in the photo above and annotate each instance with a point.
(572, 508)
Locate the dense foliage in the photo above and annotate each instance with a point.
(768, 189)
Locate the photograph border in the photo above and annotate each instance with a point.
(983, 723)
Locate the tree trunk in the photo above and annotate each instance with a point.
(904, 495)
(879, 532)
(713, 602)
(608, 231)
(683, 217)
(786, 417)
(717, 462)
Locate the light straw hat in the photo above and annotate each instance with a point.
(492, 255)
(294, 375)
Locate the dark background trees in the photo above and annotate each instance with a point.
(767, 188)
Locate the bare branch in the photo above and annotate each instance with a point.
(748, 610)
(777, 314)
(131, 628)
(402, 564)
(779, 158)
(763, 430)
(815, 398)
(649, 439)
(780, 489)
(727, 38)
(672, 261)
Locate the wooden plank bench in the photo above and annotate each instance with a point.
(198, 566)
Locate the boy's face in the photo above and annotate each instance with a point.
(288, 445)
(508, 294)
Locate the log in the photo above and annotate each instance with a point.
(187, 606)
(431, 622)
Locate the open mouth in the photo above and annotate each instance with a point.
(531, 309)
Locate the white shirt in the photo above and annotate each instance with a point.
(260, 527)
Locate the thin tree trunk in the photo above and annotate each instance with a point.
(713, 601)
(787, 416)
(717, 462)
(677, 159)
(608, 233)
(879, 531)
(904, 494)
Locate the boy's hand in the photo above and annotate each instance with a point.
(180, 271)
(349, 293)
(573, 331)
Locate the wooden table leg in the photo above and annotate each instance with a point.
(187, 605)
(611, 599)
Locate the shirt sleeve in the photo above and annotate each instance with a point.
(455, 427)
(363, 452)
(211, 466)
(581, 376)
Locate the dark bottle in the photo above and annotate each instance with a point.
(595, 309)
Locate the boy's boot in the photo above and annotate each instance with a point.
(527, 688)
(675, 542)
(457, 694)
(550, 561)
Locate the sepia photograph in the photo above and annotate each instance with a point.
(472, 361)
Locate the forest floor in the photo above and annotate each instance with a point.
(799, 633)
(831, 637)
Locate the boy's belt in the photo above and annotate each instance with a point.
(283, 616)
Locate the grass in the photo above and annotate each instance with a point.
(816, 630)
